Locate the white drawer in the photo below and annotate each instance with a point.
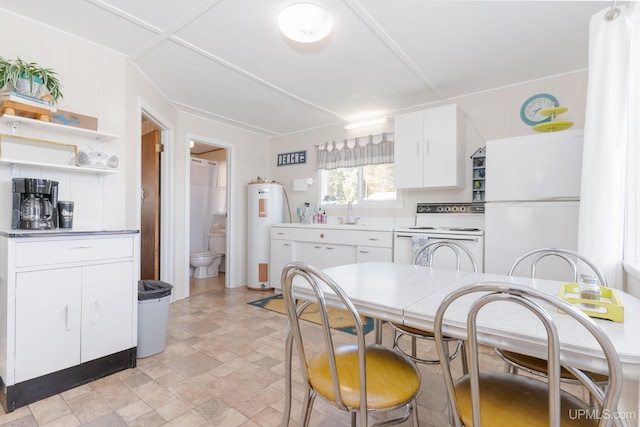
(281, 233)
(327, 235)
(72, 250)
(382, 239)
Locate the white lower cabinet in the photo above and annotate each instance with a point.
(374, 253)
(324, 248)
(107, 312)
(323, 255)
(281, 255)
(48, 305)
(67, 322)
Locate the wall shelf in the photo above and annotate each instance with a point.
(68, 168)
(9, 120)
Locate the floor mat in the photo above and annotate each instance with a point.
(338, 319)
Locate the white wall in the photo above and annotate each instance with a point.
(249, 155)
(490, 115)
(84, 71)
(100, 83)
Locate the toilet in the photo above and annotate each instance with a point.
(207, 264)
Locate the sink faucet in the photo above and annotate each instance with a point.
(349, 212)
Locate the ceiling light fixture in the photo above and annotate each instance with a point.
(305, 22)
(366, 123)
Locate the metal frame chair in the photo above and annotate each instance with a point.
(419, 334)
(516, 361)
(502, 398)
(355, 377)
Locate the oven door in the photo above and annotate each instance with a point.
(404, 243)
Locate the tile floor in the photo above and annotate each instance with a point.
(222, 366)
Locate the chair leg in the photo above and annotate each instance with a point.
(305, 415)
(414, 413)
(463, 357)
(414, 346)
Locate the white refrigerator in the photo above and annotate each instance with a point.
(532, 199)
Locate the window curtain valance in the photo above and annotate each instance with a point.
(359, 151)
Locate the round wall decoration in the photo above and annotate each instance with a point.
(531, 108)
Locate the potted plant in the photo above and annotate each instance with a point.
(30, 79)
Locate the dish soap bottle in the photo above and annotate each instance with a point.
(589, 289)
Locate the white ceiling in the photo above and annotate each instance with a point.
(226, 59)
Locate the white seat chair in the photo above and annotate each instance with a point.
(425, 256)
(354, 376)
(515, 361)
(492, 398)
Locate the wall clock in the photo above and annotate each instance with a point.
(530, 110)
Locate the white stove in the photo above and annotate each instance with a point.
(459, 222)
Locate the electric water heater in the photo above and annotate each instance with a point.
(265, 208)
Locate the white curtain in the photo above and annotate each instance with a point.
(361, 151)
(203, 181)
(608, 140)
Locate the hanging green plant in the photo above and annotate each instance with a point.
(30, 79)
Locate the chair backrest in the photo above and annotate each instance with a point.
(319, 283)
(425, 255)
(571, 257)
(530, 299)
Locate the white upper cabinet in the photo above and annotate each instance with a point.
(429, 148)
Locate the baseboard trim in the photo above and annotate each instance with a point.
(26, 392)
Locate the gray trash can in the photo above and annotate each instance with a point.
(154, 297)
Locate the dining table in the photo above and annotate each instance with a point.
(411, 295)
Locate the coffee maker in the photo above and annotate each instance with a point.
(35, 204)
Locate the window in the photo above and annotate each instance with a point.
(355, 171)
(363, 185)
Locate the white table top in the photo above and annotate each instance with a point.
(412, 294)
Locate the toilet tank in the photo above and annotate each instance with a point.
(218, 243)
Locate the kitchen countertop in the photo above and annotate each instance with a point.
(63, 232)
(336, 226)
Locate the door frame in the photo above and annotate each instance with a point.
(230, 258)
(167, 239)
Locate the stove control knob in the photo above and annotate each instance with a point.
(455, 209)
(440, 209)
(463, 208)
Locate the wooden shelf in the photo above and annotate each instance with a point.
(55, 127)
(80, 169)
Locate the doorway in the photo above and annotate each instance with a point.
(151, 150)
(208, 212)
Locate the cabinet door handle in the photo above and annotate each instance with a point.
(318, 247)
(417, 148)
(287, 244)
(427, 148)
(329, 248)
(280, 233)
(364, 252)
(76, 248)
(93, 315)
(68, 318)
(373, 239)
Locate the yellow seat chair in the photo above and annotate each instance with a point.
(425, 256)
(354, 376)
(529, 261)
(497, 399)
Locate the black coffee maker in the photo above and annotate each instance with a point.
(35, 204)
